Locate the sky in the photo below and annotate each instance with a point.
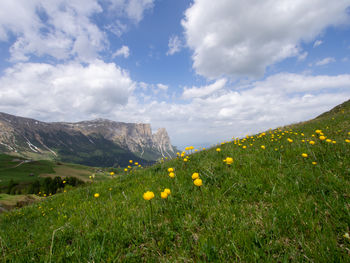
(205, 70)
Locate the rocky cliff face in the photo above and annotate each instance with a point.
(137, 137)
(30, 137)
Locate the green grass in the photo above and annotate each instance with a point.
(270, 205)
(10, 169)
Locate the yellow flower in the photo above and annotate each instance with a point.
(130, 161)
(167, 190)
(111, 173)
(163, 195)
(64, 182)
(195, 176)
(96, 195)
(218, 149)
(229, 160)
(129, 166)
(136, 163)
(110, 189)
(334, 142)
(170, 170)
(244, 147)
(322, 138)
(347, 140)
(304, 155)
(314, 163)
(139, 165)
(187, 148)
(197, 182)
(312, 142)
(328, 140)
(289, 140)
(318, 131)
(346, 235)
(263, 147)
(185, 160)
(148, 195)
(126, 169)
(191, 147)
(172, 175)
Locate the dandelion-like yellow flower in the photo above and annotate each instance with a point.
(329, 140)
(229, 160)
(347, 140)
(304, 155)
(64, 182)
(195, 176)
(111, 173)
(170, 170)
(218, 149)
(334, 142)
(185, 160)
(172, 175)
(163, 195)
(312, 142)
(197, 182)
(244, 147)
(96, 195)
(289, 140)
(322, 138)
(167, 190)
(191, 147)
(263, 147)
(148, 195)
(136, 163)
(318, 131)
(314, 163)
(126, 169)
(130, 161)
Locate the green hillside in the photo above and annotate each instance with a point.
(284, 198)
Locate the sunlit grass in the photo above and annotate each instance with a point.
(285, 201)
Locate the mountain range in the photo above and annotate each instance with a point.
(99, 142)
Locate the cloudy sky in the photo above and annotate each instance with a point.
(205, 70)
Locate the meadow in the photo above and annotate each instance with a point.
(282, 195)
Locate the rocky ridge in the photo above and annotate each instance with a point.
(36, 139)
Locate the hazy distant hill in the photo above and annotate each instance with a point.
(99, 142)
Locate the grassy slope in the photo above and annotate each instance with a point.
(11, 168)
(269, 205)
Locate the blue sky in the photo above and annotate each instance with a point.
(205, 70)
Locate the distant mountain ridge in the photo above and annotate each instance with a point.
(98, 142)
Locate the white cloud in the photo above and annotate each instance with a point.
(68, 91)
(241, 38)
(162, 87)
(132, 9)
(302, 56)
(174, 45)
(279, 100)
(73, 92)
(318, 43)
(62, 29)
(325, 61)
(59, 29)
(123, 51)
(203, 91)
